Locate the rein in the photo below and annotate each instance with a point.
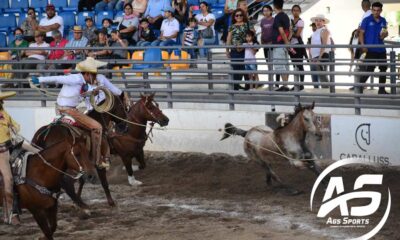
(79, 175)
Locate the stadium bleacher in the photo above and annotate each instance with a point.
(17, 6)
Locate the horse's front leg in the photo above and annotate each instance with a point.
(68, 185)
(52, 214)
(42, 218)
(102, 173)
(127, 160)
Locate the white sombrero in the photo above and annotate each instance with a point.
(89, 65)
(320, 16)
(4, 95)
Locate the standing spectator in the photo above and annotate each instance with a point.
(107, 24)
(242, 4)
(50, 23)
(29, 25)
(250, 56)
(77, 41)
(87, 5)
(180, 12)
(56, 54)
(237, 36)
(154, 12)
(19, 42)
(297, 38)
(205, 22)
(373, 30)
(190, 37)
(121, 3)
(366, 7)
(129, 25)
(266, 25)
(169, 30)
(314, 78)
(89, 31)
(36, 54)
(321, 36)
(139, 7)
(102, 42)
(105, 5)
(146, 36)
(229, 7)
(280, 35)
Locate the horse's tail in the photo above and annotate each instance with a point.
(230, 130)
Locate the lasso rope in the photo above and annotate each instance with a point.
(108, 103)
(104, 108)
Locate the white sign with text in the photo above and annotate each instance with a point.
(374, 139)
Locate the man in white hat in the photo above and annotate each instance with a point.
(74, 90)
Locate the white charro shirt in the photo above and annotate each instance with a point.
(104, 82)
(71, 91)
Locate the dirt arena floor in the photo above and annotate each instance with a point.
(197, 196)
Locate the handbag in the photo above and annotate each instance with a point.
(207, 33)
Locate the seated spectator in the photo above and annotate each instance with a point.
(102, 41)
(146, 35)
(56, 54)
(190, 37)
(19, 42)
(128, 26)
(154, 12)
(180, 12)
(169, 30)
(77, 41)
(87, 5)
(107, 24)
(116, 41)
(36, 54)
(51, 23)
(29, 25)
(205, 21)
(89, 31)
(105, 5)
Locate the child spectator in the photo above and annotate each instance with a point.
(250, 56)
(90, 30)
(147, 35)
(190, 36)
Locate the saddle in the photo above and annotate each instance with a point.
(18, 162)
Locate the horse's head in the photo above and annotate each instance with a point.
(146, 108)
(78, 160)
(309, 120)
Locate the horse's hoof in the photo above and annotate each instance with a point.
(133, 182)
(111, 203)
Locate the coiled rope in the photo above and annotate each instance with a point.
(108, 103)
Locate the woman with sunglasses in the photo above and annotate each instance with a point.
(29, 24)
(237, 36)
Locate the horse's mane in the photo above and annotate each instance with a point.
(297, 109)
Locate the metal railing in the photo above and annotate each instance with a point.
(213, 80)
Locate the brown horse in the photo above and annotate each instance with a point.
(54, 132)
(44, 172)
(131, 143)
(263, 145)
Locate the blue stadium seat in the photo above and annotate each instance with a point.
(59, 4)
(3, 40)
(17, 6)
(81, 17)
(72, 6)
(101, 15)
(39, 4)
(4, 4)
(150, 55)
(11, 38)
(68, 17)
(193, 2)
(8, 21)
(211, 3)
(218, 12)
(24, 15)
(119, 14)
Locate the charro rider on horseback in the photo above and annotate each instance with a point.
(7, 127)
(76, 88)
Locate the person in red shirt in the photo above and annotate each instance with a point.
(56, 54)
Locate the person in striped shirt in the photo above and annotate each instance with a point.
(191, 36)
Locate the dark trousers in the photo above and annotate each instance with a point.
(267, 52)
(238, 57)
(374, 57)
(298, 58)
